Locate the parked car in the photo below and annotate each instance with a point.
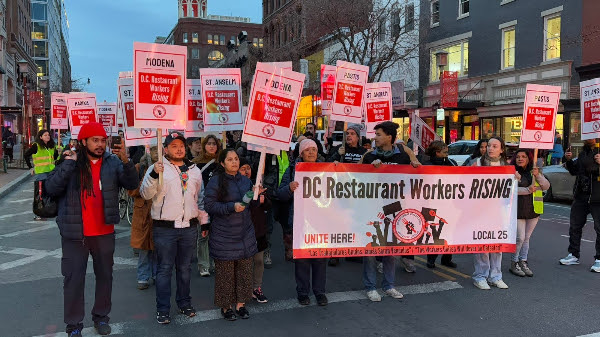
(561, 183)
(461, 150)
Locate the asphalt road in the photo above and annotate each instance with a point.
(557, 301)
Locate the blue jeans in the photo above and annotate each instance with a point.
(487, 267)
(370, 272)
(146, 268)
(174, 247)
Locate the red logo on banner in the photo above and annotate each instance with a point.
(222, 101)
(450, 89)
(378, 111)
(159, 89)
(195, 110)
(272, 109)
(539, 118)
(591, 110)
(349, 94)
(59, 111)
(81, 117)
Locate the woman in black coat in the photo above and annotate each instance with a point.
(233, 242)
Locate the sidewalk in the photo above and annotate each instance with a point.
(11, 180)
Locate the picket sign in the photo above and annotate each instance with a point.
(222, 99)
(378, 105)
(327, 86)
(348, 93)
(590, 109)
(107, 116)
(422, 134)
(539, 118)
(58, 118)
(81, 109)
(133, 136)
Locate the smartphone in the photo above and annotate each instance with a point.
(115, 140)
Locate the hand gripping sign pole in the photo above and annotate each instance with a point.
(160, 153)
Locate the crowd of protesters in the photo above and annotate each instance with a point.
(205, 208)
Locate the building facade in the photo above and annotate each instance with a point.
(207, 36)
(495, 56)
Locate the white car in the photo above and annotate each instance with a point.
(461, 150)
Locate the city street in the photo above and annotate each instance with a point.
(557, 301)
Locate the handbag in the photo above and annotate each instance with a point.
(44, 205)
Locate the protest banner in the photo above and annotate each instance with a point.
(327, 86)
(378, 105)
(539, 116)
(159, 85)
(422, 134)
(120, 119)
(133, 136)
(348, 93)
(107, 116)
(400, 210)
(590, 109)
(58, 105)
(222, 99)
(81, 109)
(195, 117)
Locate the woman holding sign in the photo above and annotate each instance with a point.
(309, 153)
(529, 207)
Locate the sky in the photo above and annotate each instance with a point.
(102, 33)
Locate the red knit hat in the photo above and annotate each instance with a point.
(93, 129)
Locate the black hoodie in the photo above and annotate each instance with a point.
(587, 186)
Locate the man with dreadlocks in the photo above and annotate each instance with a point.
(87, 186)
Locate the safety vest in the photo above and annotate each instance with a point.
(284, 163)
(538, 200)
(43, 160)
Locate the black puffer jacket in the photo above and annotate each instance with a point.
(587, 186)
(64, 183)
(352, 155)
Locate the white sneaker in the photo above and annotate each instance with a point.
(499, 284)
(569, 260)
(483, 285)
(596, 267)
(392, 292)
(204, 272)
(374, 296)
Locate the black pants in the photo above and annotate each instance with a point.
(579, 212)
(74, 264)
(303, 276)
(445, 258)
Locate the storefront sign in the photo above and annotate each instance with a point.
(81, 109)
(58, 120)
(159, 88)
(422, 134)
(539, 116)
(450, 89)
(348, 93)
(327, 86)
(378, 106)
(222, 99)
(273, 105)
(590, 109)
(107, 116)
(356, 210)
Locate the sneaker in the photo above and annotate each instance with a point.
(483, 285)
(163, 318)
(102, 328)
(204, 272)
(258, 295)
(409, 266)
(334, 261)
(515, 269)
(143, 285)
(228, 315)
(499, 284)
(322, 300)
(380, 267)
(267, 259)
(243, 313)
(75, 333)
(596, 267)
(37, 218)
(525, 268)
(303, 300)
(374, 296)
(569, 260)
(392, 292)
(188, 311)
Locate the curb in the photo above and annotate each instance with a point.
(14, 184)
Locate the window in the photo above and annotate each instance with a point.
(42, 66)
(195, 53)
(185, 38)
(195, 37)
(463, 8)
(214, 57)
(209, 40)
(435, 13)
(381, 30)
(260, 42)
(234, 40)
(508, 48)
(222, 40)
(458, 60)
(409, 18)
(40, 49)
(552, 38)
(395, 24)
(255, 42)
(38, 11)
(40, 31)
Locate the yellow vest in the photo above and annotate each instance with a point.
(538, 200)
(43, 160)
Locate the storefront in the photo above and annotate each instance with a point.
(509, 127)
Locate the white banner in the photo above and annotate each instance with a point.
(378, 105)
(222, 99)
(422, 134)
(107, 116)
(539, 116)
(348, 93)
(356, 210)
(59, 118)
(590, 109)
(81, 109)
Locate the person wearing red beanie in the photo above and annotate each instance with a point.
(87, 185)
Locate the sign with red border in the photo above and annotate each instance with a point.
(539, 116)
(378, 105)
(590, 109)
(81, 109)
(58, 107)
(222, 99)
